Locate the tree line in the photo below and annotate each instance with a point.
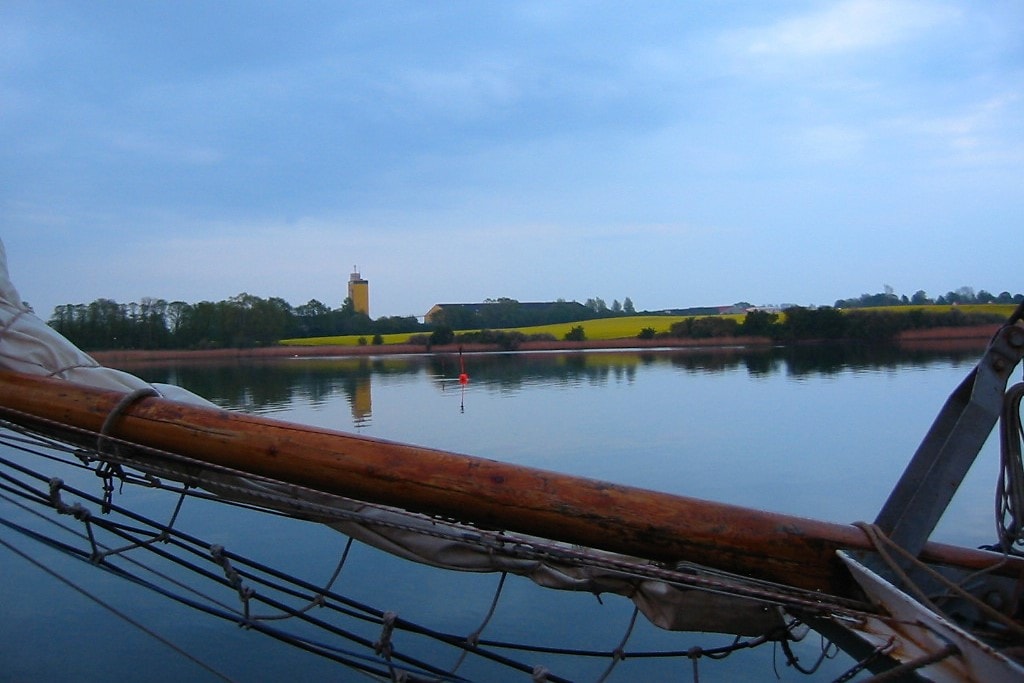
(602, 310)
(505, 312)
(963, 295)
(239, 322)
(798, 323)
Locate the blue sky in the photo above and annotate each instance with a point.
(678, 153)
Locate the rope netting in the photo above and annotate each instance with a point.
(45, 498)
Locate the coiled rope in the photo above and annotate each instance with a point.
(1010, 489)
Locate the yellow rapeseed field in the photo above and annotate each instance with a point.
(607, 328)
(347, 340)
(602, 328)
(626, 326)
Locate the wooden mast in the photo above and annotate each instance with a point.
(786, 549)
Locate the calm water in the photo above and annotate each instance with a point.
(823, 433)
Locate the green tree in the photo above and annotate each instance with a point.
(575, 334)
(597, 305)
(759, 324)
(920, 298)
(711, 326)
(441, 335)
(176, 312)
(814, 323)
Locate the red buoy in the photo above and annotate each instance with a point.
(463, 377)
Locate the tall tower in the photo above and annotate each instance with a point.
(359, 292)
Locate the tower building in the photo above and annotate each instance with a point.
(359, 292)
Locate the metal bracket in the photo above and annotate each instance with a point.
(952, 444)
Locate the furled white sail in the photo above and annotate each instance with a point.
(29, 345)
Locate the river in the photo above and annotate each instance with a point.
(820, 432)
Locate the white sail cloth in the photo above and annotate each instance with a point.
(29, 345)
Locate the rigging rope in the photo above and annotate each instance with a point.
(883, 543)
(1010, 488)
(348, 658)
(474, 637)
(113, 610)
(237, 572)
(618, 654)
(899, 673)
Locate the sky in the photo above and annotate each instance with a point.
(677, 153)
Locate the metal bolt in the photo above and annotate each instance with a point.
(995, 599)
(1015, 337)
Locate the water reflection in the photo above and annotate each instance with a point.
(270, 385)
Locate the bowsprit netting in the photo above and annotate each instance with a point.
(78, 501)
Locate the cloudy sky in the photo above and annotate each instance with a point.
(678, 153)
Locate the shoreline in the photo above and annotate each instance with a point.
(956, 338)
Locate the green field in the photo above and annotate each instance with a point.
(627, 326)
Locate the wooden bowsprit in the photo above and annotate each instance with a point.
(789, 550)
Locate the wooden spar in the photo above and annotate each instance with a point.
(790, 550)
